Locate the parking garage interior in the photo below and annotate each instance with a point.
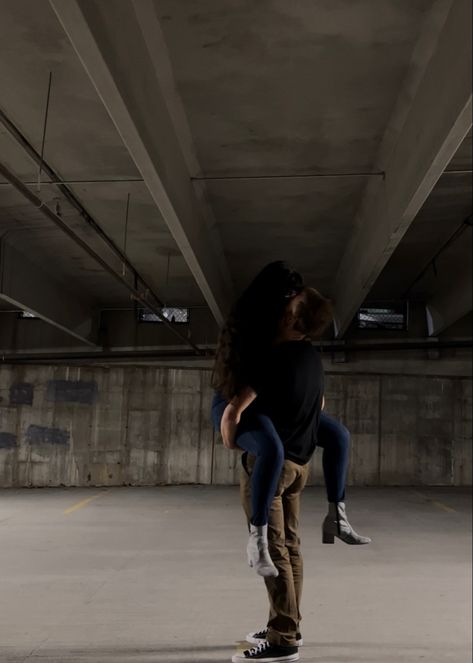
(154, 156)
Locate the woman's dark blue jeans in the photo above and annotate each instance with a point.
(334, 439)
(257, 435)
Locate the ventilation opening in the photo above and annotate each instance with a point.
(175, 315)
(27, 315)
(384, 315)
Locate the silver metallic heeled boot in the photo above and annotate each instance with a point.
(336, 525)
(258, 555)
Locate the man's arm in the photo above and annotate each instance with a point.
(232, 414)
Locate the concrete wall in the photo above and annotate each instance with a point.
(148, 425)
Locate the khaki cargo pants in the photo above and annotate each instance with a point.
(285, 591)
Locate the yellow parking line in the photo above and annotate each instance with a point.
(79, 505)
(443, 507)
(439, 505)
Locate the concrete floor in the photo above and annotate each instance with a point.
(158, 574)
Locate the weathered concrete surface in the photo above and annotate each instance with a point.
(159, 575)
(92, 155)
(271, 88)
(314, 83)
(149, 425)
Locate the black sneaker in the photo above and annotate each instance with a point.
(260, 636)
(267, 653)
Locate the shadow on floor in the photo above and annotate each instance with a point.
(312, 652)
(172, 653)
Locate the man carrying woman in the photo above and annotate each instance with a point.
(269, 381)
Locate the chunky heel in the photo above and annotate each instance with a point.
(336, 525)
(328, 538)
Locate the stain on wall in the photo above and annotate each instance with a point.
(7, 441)
(72, 391)
(44, 435)
(21, 393)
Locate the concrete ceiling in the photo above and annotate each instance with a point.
(289, 88)
(283, 112)
(305, 220)
(446, 209)
(83, 147)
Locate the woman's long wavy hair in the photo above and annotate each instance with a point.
(252, 327)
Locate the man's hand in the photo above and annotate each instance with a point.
(229, 425)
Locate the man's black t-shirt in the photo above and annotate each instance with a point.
(290, 393)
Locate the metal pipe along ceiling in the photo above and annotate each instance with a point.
(327, 347)
(52, 216)
(22, 141)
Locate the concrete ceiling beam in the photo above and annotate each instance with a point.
(429, 133)
(113, 49)
(26, 286)
(450, 304)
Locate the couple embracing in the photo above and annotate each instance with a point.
(269, 403)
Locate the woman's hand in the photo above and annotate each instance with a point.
(229, 425)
